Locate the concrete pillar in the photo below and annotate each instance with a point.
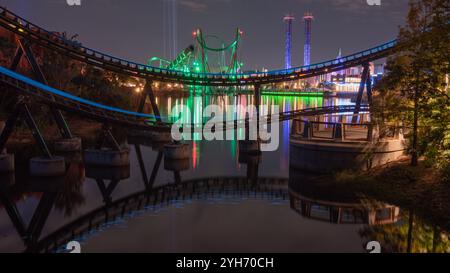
(107, 157)
(68, 145)
(156, 136)
(176, 151)
(161, 136)
(46, 167)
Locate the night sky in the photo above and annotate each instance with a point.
(133, 29)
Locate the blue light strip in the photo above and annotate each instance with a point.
(57, 92)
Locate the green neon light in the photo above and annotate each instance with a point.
(288, 93)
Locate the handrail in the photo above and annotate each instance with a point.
(305, 129)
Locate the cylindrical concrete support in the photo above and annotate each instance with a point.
(161, 136)
(156, 136)
(68, 145)
(107, 157)
(6, 163)
(176, 151)
(328, 157)
(45, 167)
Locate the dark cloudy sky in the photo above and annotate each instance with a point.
(133, 29)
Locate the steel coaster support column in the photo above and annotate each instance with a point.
(141, 163)
(364, 78)
(24, 47)
(13, 213)
(9, 125)
(17, 58)
(107, 191)
(22, 108)
(35, 131)
(148, 182)
(40, 216)
(148, 91)
(155, 170)
(107, 136)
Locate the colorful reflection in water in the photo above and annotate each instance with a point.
(196, 105)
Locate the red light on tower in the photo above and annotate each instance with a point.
(241, 32)
(194, 33)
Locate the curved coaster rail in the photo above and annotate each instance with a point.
(52, 41)
(197, 189)
(96, 111)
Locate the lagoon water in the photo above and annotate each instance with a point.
(219, 201)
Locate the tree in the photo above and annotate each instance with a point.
(417, 78)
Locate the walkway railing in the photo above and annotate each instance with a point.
(343, 131)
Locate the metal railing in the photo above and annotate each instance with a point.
(343, 132)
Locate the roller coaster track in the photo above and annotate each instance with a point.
(220, 189)
(192, 190)
(51, 41)
(99, 112)
(67, 102)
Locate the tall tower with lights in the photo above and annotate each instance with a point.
(288, 19)
(308, 18)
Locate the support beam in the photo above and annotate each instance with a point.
(22, 108)
(148, 91)
(365, 78)
(107, 191)
(17, 58)
(107, 137)
(9, 125)
(35, 131)
(37, 72)
(24, 47)
(155, 170)
(14, 214)
(40, 216)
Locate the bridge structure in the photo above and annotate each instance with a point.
(58, 100)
